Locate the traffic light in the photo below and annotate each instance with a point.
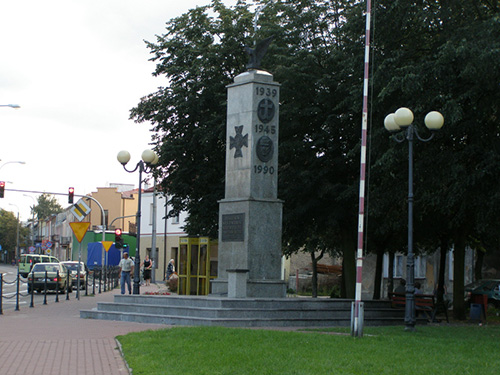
(2, 188)
(118, 238)
(71, 193)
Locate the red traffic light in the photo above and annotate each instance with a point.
(71, 193)
(118, 238)
(2, 188)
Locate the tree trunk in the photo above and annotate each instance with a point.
(442, 268)
(314, 262)
(378, 274)
(458, 276)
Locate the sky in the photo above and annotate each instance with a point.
(76, 68)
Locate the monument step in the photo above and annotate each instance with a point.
(233, 322)
(234, 312)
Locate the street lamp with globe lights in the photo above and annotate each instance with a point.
(401, 124)
(149, 159)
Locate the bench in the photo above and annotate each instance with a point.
(327, 269)
(423, 303)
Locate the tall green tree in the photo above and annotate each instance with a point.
(445, 57)
(199, 55)
(9, 226)
(46, 206)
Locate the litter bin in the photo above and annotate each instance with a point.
(475, 311)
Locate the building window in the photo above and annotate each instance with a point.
(175, 220)
(420, 267)
(106, 216)
(398, 265)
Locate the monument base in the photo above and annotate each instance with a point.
(254, 288)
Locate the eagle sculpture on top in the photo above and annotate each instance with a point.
(256, 54)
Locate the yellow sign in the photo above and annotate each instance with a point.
(107, 244)
(80, 210)
(79, 229)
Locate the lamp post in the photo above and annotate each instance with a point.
(17, 237)
(10, 162)
(401, 123)
(149, 159)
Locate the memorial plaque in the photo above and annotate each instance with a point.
(233, 228)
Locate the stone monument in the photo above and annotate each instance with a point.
(250, 215)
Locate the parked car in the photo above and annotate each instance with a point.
(73, 268)
(488, 287)
(36, 278)
(27, 261)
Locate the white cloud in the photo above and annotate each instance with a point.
(76, 67)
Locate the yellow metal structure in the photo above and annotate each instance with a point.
(196, 265)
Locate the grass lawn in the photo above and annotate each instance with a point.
(464, 349)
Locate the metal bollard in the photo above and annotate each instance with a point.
(44, 288)
(105, 277)
(57, 286)
(18, 280)
(100, 278)
(68, 277)
(86, 283)
(32, 290)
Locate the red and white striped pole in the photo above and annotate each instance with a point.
(357, 316)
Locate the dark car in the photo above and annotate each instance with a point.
(50, 276)
(73, 268)
(488, 287)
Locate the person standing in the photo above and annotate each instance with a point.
(148, 265)
(170, 268)
(126, 267)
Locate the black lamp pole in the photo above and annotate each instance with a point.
(144, 165)
(403, 120)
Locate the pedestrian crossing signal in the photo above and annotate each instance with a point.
(2, 188)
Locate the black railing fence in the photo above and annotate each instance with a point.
(98, 280)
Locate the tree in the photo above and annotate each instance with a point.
(46, 207)
(9, 226)
(445, 57)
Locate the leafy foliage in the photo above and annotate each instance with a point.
(46, 207)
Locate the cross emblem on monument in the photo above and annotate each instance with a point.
(265, 110)
(238, 141)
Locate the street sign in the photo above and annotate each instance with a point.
(79, 229)
(48, 244)
(80, 210)
(107, 245)
(32, 249)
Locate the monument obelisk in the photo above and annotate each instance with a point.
(250, 215)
